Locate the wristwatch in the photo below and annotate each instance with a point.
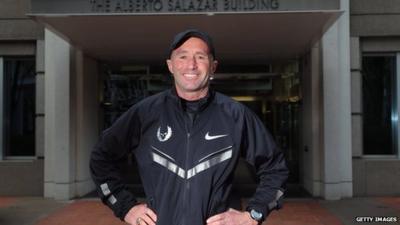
(256, 215)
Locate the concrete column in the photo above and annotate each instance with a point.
(88, 85)
(311, 123)
(59, 151)
(336, 181)
(71, 121)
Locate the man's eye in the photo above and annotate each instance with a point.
(182, 57)
(201, 57)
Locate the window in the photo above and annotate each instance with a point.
(380, 112)
(18, 108)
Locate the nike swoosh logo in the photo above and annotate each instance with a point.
(208, 137)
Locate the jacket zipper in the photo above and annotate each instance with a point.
(186, 188)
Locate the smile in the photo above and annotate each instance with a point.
(190, 75)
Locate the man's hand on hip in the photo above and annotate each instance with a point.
(141, 215)
(231, 217)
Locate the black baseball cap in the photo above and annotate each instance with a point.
(183, 36)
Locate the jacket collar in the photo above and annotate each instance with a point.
(203, 102)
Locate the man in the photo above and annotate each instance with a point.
(187, 142)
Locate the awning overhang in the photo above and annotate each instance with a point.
(240, 38)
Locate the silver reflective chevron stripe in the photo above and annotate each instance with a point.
(209, 163)
(171, 166)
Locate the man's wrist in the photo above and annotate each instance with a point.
(256, 215)
(253, 222)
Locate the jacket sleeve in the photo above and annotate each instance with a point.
(111, 150)
(261, 151)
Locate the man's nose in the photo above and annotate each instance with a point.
(192, 62)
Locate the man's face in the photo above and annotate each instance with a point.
(191, 65)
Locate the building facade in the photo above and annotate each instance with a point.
(322, 75)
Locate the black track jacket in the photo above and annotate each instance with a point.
(187, 168)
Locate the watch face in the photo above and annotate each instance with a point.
(256, 215)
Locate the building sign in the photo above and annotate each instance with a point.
(176, 6)
(149, 6)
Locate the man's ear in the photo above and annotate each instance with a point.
(169, 64)
(214, 66)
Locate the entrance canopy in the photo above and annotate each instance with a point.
(241, 37)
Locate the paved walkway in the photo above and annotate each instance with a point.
(40, 211)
